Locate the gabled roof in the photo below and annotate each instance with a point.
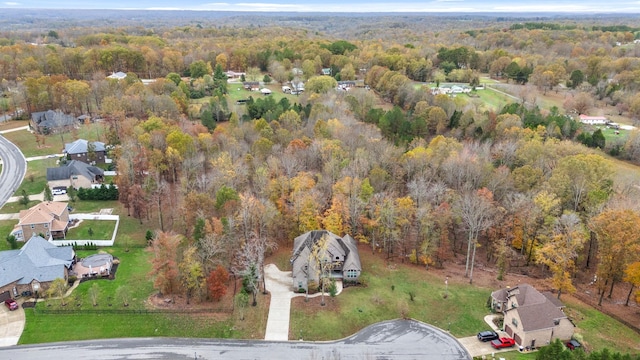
(42, 213)
(37, 260)
(81, 146)
(73, 167)
(52, 119)
(336, 245)
(536, 310)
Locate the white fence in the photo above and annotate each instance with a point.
(96, 242)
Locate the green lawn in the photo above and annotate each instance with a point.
(36, 177)
(491, 99)
(386, 296)
(54, 144)
(15, 207)
(100, 229)
(5, 228)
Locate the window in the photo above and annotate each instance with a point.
(33, 226)
(514, 321)
(79, 155)
(556, 322)
(46, 226)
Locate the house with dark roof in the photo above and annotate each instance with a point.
(90, 152)
(35, 266)
(76, 174)
(251, 85)
(49, 218)
(532, 318)
(341, 253)
(48, 122)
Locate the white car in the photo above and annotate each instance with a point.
(58, 191)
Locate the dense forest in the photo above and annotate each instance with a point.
(419, 177)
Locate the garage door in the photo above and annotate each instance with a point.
(4, 296)
(508, 330)
(517, 339)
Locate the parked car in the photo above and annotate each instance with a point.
(487, 336)
(573, 344)
(59, 190)
(11, 304)
(503, 343)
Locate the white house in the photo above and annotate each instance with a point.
(593, 120)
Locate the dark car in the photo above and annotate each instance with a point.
(11, 304)
(573, 344)
(487, 336)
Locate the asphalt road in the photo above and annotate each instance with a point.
(14, 167)
(396, 339)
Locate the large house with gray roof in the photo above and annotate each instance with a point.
(90, 152)
(76, 174)
(341, 253)
(35, 266)
(532, 318)
(48, 122)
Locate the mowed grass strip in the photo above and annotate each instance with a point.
(35, 179)
(92, 230)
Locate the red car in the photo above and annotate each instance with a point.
(11, 304)
(503, 343)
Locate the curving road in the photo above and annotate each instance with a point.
(396, 339)
(14, 167)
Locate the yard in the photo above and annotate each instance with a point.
(36, 177)
(92, 230)
(54, 144)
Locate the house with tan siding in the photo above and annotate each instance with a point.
(49, 218)
(532, 318)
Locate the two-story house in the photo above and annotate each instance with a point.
(532, 318)
(49, 219)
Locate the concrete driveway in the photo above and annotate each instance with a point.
(11, 325)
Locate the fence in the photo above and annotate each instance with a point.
(95, 242)
(132, 311)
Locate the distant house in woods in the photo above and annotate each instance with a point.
(251, 85)
(232, 75)
(593, 120)
(117, 75)
(49, 218)
(532, 318)
(86, 151)
(48, 122)
(342, 253)
(76, 174)
(326, 71)
(34, 266)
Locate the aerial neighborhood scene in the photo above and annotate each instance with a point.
(284, 180)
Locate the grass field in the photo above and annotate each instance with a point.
(5, 228)
(36, 176)
(386, 295)
(100, 229)
(54, 144)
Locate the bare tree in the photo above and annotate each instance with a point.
(475, 209)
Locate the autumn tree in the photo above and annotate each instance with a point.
(632, 276)
(217, 283)
(164, 264)
(560, 252)
(191, 273)
(618, 235)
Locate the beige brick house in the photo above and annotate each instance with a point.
(532, 318)
(48, 218)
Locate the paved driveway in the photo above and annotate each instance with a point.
(476, 347)
(11, 325)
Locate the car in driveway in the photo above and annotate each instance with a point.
(573, 344)
(11, 304)
(487, 336)
(502, 343)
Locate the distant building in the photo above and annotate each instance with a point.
(117, 75)
(49, 218)
(251, 85)
(593, 120)
(75, 173)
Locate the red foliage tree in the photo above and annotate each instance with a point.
(217, 282)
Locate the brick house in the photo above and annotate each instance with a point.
(532, 318)
(48, 218)
(35, 266)
(93, 152)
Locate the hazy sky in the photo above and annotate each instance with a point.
(570, 6)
